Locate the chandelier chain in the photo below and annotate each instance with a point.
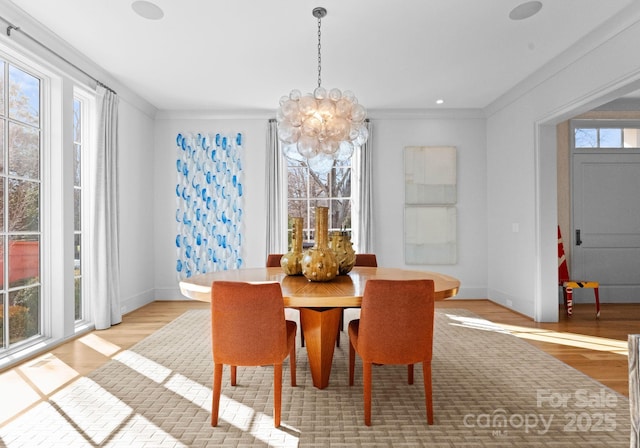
(319, 53)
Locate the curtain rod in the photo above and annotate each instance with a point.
(11, 27)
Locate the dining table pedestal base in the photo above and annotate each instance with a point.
(320, 326)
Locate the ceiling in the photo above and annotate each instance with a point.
(243, 55)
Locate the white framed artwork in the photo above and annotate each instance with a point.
(430, 235)
(430, 175)
(430, 214)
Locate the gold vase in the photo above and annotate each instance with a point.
(291, 262)
(342, 248)
(319, 263)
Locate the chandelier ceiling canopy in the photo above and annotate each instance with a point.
(323, 126)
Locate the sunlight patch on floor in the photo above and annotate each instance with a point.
(100, 345)
(49, 423)
(476, 323)
(17, 395)
(139, 431)
(97, 417)
(549, 336)
(569, 339)
(144, 366)
(235, 413)
(48, 373)
(93, 410)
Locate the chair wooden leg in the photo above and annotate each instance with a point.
(597, 294)
(340, 328)
(234, 375)
(217, 387)
(366, 375)
(292, 365)
(352, 362)
(277, 393)
(301, 334)
(428, 391)
(410, 373)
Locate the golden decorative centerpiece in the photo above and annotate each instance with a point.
(342, 248)
(319, 263)
(291, 262)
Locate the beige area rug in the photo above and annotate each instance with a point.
(490, 389)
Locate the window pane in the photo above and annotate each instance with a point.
(2, 314)
(586, 138)
(78, 305)
(77, 216)
(2, 282)
(2, 67)
(77, 178)
(77, 255)
(24, 314)
(342, 183)
(77, 122)
(340, 214)
(24, 96)
(610, 138)
(631, 138)
(24, 260)
(2, 183)
(24, 206)
(24, 151)
(297, 178)
(319, 185)
(298, 209)
(2, 150)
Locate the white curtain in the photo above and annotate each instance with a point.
(105, 263)
(276, 200)
(362, 204)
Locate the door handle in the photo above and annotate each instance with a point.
(578, 240)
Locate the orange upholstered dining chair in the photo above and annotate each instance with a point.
(248, 328)
(364, 260)
(273, 261)
(395, 327)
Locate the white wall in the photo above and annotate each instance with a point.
(464, 130)
(136, 195)
(521, 164)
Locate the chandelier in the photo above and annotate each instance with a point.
(323, 126)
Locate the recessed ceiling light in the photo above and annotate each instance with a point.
(440, 101)
(525, 10)
(147, 10)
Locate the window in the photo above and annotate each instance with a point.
(78, 146)
(43, 248)
(345, 190)
(605, 135)
(20, 202)
(307, 190)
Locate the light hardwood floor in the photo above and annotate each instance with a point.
(596, 347)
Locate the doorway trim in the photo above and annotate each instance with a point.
(546, 301)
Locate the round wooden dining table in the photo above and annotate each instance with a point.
(320, 303)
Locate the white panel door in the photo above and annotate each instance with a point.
(606, 224)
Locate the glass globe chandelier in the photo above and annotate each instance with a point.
(323, 126)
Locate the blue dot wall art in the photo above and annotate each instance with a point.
(208, 203)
